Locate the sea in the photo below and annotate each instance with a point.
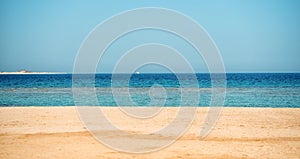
(242, 89)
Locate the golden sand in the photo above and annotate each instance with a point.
(56, 132)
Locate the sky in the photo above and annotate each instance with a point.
(252, 36)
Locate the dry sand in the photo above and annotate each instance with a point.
(56, 132)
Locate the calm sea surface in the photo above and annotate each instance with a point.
(246, 90)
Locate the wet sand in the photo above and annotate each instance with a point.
(56, 132)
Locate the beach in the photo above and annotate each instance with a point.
(57, 132)
(150, 80)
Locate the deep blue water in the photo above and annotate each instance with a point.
(243, 89)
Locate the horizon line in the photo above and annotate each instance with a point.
(44, 72)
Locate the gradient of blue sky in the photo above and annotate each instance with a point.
(252, 36)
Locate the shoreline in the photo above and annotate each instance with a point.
(175, 107)
(241, 132)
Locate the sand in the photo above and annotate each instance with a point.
(56, 132)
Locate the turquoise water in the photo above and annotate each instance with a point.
(246, 90)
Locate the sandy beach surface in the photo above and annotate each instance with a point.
(57, 132)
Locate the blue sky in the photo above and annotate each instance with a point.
(252, 36)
